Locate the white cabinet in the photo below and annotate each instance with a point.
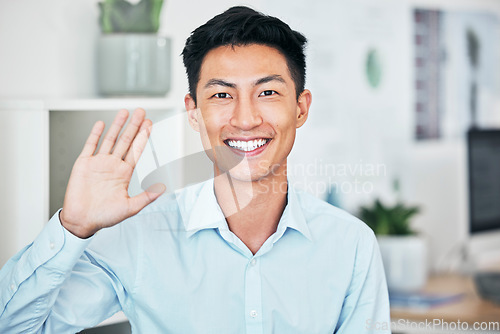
(40, 141)
(24, 170)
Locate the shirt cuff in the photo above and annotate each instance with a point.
(55, 250)
(56, 247)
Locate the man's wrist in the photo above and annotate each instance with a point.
(76, 230)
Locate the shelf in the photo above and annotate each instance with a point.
(113, 104)
(116, 318)
(93, 104)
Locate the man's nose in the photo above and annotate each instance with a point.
(246, 115)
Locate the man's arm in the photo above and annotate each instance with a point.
(366, 306)
(53, 285)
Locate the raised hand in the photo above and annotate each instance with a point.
(97, 193)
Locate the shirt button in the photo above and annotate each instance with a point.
(253, 313)
(51, 245)
(12, 287)
(253, 262)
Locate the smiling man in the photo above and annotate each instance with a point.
(242, 253)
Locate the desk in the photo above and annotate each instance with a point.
(469, 310)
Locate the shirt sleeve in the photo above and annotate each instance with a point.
(53, 286)
(366, 305)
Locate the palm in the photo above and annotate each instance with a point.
(100, 183)
(97, 193)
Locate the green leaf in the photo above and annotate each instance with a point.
(120, 16)
(385, 220)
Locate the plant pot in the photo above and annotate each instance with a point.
(133, 65)
(405, 262)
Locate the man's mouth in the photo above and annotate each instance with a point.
(247, 146)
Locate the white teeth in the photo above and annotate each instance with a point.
(247, 146)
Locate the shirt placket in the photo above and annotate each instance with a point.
(253, 297)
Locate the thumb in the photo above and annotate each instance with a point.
(137, 203)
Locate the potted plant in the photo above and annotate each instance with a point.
(132, 59)
(404, 252)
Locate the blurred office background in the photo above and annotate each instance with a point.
(396, 85)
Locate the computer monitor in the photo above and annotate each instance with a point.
(484, 180)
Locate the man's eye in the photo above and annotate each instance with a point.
(222, 96)
(268, 93)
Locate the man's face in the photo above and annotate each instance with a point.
(247, 111)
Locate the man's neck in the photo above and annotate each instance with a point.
(252, 209)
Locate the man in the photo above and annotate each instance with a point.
(242, 253)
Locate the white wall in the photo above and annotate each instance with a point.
(47, 48)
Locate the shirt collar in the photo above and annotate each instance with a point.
(293, 216)
(206, 213)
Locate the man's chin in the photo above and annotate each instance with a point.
(254, 173)
(246, 176)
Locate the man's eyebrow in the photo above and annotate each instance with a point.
(275, 77)
(219, 82)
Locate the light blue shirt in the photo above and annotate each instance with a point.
(177, 268)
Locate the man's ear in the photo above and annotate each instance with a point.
(303, 105)
(192, 112)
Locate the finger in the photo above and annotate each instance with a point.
(128, 135)
(110, 138)
(93, 139)
(140, 141)
(137, 203)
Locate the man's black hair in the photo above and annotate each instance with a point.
(239, 26)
